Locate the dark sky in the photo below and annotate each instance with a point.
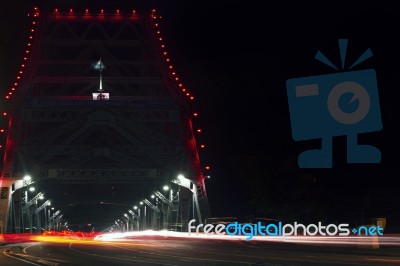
(235, 56)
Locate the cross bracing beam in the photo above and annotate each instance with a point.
(46, 203)
(163, 198)
(141, 115)
(82, 176)
(148, 203)
(108, 80)
(75, 150)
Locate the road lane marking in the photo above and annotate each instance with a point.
(109, 257)
(26, 261)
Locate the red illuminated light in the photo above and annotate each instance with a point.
(202, 146)
(199, 130)
(207, 167)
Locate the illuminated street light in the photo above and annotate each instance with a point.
(135, 207)
(100, 66)
(27, 178)
(165, 188)
(31, 189)
(100, 95)
(187, 183)
(152, 196)
(141, 203)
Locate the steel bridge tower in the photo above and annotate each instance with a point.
(66, 137)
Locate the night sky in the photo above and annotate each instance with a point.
(235, 56)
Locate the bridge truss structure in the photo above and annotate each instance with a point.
(77, 146)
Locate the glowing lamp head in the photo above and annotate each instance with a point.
(135, 207)
(165, 188)
(152, 196)
(99, 65)
(31, 189)
(27, 178)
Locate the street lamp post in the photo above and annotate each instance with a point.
(38, 216)
(187, 183)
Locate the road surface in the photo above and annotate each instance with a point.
(159, 251)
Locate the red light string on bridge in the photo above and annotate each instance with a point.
(100, 13)
(173, 73)
(21, 71)
(35, 16)
(164, 52)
